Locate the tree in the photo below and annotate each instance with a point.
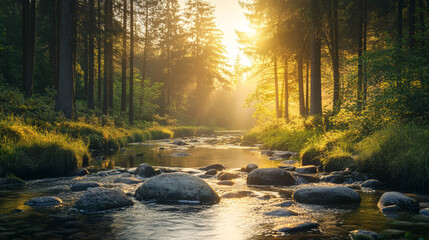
(64, 102)
(316, 82)
(92, 29)
(124, 60)
(106, 57)
(131, 96)
(28, 32)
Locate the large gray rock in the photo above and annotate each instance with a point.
(298, 227)
(250, 167)
(145, 170)
(100, 199)
(218, 167)
(326, 195)
(270, 176)
(373, 184)
(175, 187)
(44, 201)
(77, 187)
(395, 198)
(306, 169)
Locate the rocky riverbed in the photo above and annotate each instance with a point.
(208, 188)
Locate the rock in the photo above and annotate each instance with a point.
(44, 201)
(270, 176)
(211, 172)
(227, 176)
(425, 212)
(180, 154)
(175, 187)
(363, 235)
(306, 169)
(288, 162)
(11, 181)
(226, 183)
(79, 172)
(332, 179)
(267, 152)
(284, 154)
(307, 178)
(100, 199)
(179, 143)
(250, 167)
(396, 198)
(281, 213)
(373, 184)
(218, 167)
(127, 180)
(298, 227)
(394, 233)
(285, 204)
(77, 187)
(288, 168)
(145, 170)
(326, 195)
(17, 210)
(238, 194)
(391, 209)
(168, 170)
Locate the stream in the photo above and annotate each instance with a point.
(232, 218)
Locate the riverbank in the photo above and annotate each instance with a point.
(397, 154)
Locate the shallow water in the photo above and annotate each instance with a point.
(232, 218)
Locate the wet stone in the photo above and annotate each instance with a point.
(373, 184)
(145, 170)
(211, 172)
(218, 167)
(100, 199)
(363, 235)
(238, 194)
(128, 180)
(285, 204)
(84, 186)
(44, 201)
(227, 176)
(306, 169)
(326, 195)
(281, 213)
(395, 198)
(226, 183)
(298, 227)
(80, 172)
(425, 212)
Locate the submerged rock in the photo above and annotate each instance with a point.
(281, 213)
(180, 154)
(363, 235)
(227, 176)
(298, 227)
(145, 170)
(373, 184)
(238, 194)
(77, 187)
(395, 198)
(306, 169)
(326, 195)
(211, 172)
(218, 167)
(226, 183)
(270, 176)
(285, 204)
(250, 167)
(100, 199)
(175, 187)
(127, 180)
(44, 201)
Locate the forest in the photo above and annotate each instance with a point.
(245, 119)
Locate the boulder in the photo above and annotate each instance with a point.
(211, 172)
(391, 209)
(425, 212)
(226, 183)
(332, 178)
(127, 180)
(174, 187)
(44, 201)
(306, 169)
(270, 176)
(288, 168)
(227, 176)
(250, 167)
(145, 170)
(100, 199)
(395, 198)
(80, 172)
(363, 235)
(281, 213)
(78, 187)
(298, 227)
(238, 194)
(326, 195)
(373, 184)
(306, 178)
(218, 167)
(168, 170)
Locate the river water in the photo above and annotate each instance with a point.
(232, 218)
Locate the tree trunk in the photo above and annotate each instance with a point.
(145, 51)
(365, 25)
(335, 56)
(360, 63)
(399, 41)
(106, 57)
(131, 96)
(64, 102)
(276, 88)
(299, 61)
(28, 32)
(316, 79)
(286, 89)
(307, 87)
(111, 55)
(53, 52)
(92, 29)
(99, 34)
(412, 24)
(124, 61)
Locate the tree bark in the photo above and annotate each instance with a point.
(53, 48)
(412, 24)
(316, 79)
(92, 29)
(28, 32)
(110, 19)
(399, 41)
(124, 61)
(131, 96)
(99, 34)
(335, 56)
(106, 58)
(299, 61)
(276, 88)
(365, 26)
(286, 90)
(64, 102)
(360, 63)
